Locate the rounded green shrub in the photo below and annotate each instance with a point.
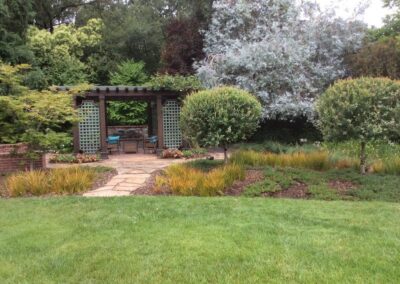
(220, 117)
(360, 109)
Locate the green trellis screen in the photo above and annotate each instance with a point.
(89, 127)
(172, 131)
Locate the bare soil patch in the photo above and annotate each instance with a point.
(299, 190)
(342, 186)
(252, 176)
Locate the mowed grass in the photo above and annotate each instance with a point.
(198, 240)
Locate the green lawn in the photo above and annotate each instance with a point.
(192, 240)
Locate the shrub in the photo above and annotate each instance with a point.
(71, 159)
(361, 109)
(220, 117)
(184, 180)
(194, 153)
(171, 154)
(56, 181)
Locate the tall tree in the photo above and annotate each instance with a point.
(377, 59)
(183, 46)
(62, 55)
(15, 16)
(285, 52)
(50, 13)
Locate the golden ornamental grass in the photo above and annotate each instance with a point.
(184, 180)
(57, 181)
(318, 160)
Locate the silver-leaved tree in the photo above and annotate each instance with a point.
(284, 52)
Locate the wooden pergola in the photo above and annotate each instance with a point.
(92, 107)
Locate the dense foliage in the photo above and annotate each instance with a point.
(284, 52)
(220, 117)
(361, 109)
(174, 83)
(39, 118)
(63, 56)
(128, 73)
(378, 59)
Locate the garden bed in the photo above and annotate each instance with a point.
(150, 188)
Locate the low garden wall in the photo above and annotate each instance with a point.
(12, 159)
(140, 129)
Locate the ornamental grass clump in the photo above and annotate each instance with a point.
(56, 181)
(318, 160)
(387, 166)
(184, 180)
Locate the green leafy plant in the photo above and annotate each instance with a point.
(129, 73)
(174, 83)
(220, 117)
(360, 109)
(130, 112)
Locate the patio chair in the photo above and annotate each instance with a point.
(150, 144)
(113, 144)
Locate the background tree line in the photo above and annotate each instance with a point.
(70, 41)
(286, 53)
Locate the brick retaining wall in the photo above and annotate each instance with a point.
(12, 158)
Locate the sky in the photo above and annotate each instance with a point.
(373, 15)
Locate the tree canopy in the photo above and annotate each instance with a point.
(285, 52)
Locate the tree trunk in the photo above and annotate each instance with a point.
(363, 159)
(225, 155)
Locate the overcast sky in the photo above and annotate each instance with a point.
(373, 15)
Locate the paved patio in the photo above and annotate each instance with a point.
(133, 171)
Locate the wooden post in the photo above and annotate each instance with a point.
(160, 125)
(150, 129)
(75, 129)
(103, 127)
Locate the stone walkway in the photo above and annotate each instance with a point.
(133, 170)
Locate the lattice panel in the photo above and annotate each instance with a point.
(172, 131)
(89, 127)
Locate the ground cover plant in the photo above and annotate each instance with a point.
(193, 240)
(74, 159)
(335, 184)
(72, 180)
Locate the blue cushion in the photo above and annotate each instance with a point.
(113, 139)
(153, 139)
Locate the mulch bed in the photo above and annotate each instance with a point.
(252, 176)
(103, 179)
(149, 186)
